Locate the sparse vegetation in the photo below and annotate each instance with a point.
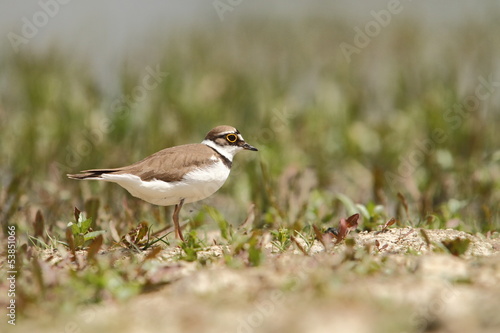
(343, 210)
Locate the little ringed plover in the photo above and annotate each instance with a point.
(178, 175)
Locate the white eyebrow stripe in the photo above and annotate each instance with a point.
(240, 137)
(225, 133)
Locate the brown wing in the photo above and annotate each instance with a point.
(169, 164)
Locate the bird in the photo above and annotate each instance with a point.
(178, 175)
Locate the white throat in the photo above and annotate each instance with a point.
(226, 151)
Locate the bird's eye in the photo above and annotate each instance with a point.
(231, 138)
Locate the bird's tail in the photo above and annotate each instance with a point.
(91, 174)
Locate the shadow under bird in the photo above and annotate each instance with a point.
(180, 174)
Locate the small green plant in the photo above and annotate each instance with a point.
(308, 239)
(191, 246)
(255, 254)
(226, 230)
(457, 246)
(246, 250)
(81, 229)
(281, 239)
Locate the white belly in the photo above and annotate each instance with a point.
(196, 185)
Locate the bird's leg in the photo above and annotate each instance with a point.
(175, 217)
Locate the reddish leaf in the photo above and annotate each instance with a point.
(70, 240)
(389, 223)
(386, 225)
(71, 245)
(77, 214)
(319, 235)
(352, 221)
(342, 230)
(380, 248)
(94, 248)
(345, 226)
(39, 225)
(301, 248)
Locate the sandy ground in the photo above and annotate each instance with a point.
(394, 281)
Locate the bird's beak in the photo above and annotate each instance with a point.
(248, 147)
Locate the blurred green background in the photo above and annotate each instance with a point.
(383, 108)
(413, 109)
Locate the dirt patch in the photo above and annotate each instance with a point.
(413, 240)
